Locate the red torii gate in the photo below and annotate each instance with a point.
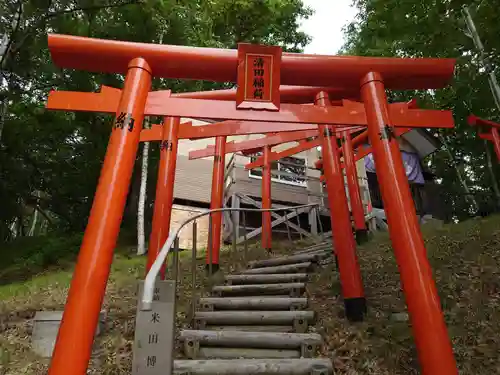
(107, 100)
(350, 166)
(372, 75)
(493, 135)
(265, 144)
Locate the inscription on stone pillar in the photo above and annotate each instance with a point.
(154, 332)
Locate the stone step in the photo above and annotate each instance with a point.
(302, 366)
(322, 252)
(269, 328)
(253, 303)
(323, 245)
(258, 340)
(238, 353)
(299, 319)
(280, 261)
(290, 289)
(267, 278)
(287, 268)
(238, 344)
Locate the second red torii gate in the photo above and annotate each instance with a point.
(362, 137)
(265, 143)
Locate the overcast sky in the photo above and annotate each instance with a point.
(325, 25)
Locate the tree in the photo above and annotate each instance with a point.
(436, 28)
(60, 154)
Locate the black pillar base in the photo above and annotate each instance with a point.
(215, 268)
(355, 309)
(361, 236)
(269, 251)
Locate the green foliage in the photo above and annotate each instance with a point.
(466, 266)
(26, 256)
(435, 28)
(60, 154)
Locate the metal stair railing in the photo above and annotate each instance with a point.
(152, 276)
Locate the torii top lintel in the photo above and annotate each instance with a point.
(167, 61)
(288, 94)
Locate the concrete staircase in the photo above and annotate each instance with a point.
(257, 322)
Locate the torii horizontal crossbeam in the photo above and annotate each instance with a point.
(225, 128)
(160, 103)
(288, 94)
(304, 146)
(110, 56)
(474, 120)
(274, 156)
(257, 144)
(251, 144)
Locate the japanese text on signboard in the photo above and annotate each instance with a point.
(258, 77)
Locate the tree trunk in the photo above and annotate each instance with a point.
(5, 45)
(494, 181)
(3, 112)
(31, 232)
(13, 228)
(468, 196)
(141, 237)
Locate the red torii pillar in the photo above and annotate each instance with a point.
(431, 337)
(358, 213)
(216, 202)
(164, 190)
(88, 285)
(493, 136)
(496, 141)
(251, 147)
(343, 239)
(266, 200)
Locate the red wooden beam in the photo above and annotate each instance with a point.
(288, 94)
(270, 140)
(433, 344)
(492, 136)
(109, 56)
(159, 103)
(227, 128)
(343, 246)
(476, 121)
(361, 153)
(283, 154)
(73, 347)
(216, 202)
(356, 141)
(252, 146)
(486, 136)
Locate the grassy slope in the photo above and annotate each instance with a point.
(113, 350)
(466, 263)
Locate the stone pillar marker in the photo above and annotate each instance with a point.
(154, 332)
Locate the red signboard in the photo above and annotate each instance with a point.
(258, 77)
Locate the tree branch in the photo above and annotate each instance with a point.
(84, 9)
(42, 212)
(94, 7)
(11, 37)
